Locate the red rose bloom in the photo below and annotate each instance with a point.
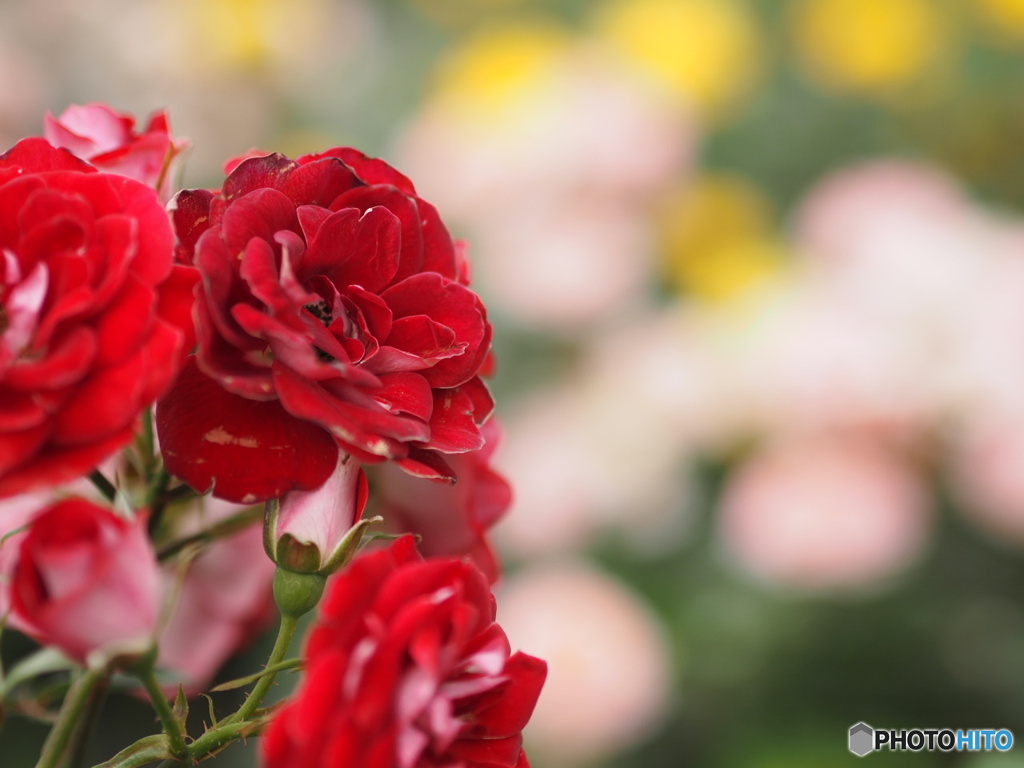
(407, 669)
(93, 314)
(333, 314)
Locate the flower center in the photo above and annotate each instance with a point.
(321, 312)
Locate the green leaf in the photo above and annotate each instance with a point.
(273, 669)
(15, 532)
(349, 545)
(142, 752)
(41, 662)
(390, 537)
(180, 709)
(225, 527)
(213, 714)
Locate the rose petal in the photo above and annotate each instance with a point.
(244, 450)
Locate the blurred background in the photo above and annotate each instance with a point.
(756, 269)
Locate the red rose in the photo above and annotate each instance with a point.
(108, 140)
(333, 313)
(93, 314)
(407, 669)
(450, 520)
(87, 581)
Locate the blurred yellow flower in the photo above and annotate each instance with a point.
(246, 34)
(707, 51)
(496, 66)
(1006, 17)
(718, 239)
(868, 45)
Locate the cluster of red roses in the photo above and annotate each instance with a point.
(309, 319)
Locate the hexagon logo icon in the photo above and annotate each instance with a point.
(862, 739)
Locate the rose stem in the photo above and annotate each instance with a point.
(90, 719)
(284, 638)
(172, 727)
(71, 712)
(105, 486)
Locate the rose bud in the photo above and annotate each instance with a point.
(318, 531)
(108, 140)
(87, 582)
(406, 668)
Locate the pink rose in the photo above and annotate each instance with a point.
(108, 140)
(450, 520)
(332, 315)
(407, 669)
(225, 600)
(15, 514)
(87, 582)
(93, 314)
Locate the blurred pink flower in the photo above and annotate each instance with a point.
(985, 367)
(825, 514)
(844, 214)
(809, 359)
(899, 240)
(564, 264)
(549, 463)
(580, 159)
(450, 520)
(609, 672)
(988, 474)
(570, 486)
(225, 599)
(873, 330)
(584, 459)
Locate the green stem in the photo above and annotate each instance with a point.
(175, 735)
(284, 638)
(217, 738)
(156, 494)
(146, 444)
(86, 727)
(217, 530)
(105, 486)
(72, 711)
